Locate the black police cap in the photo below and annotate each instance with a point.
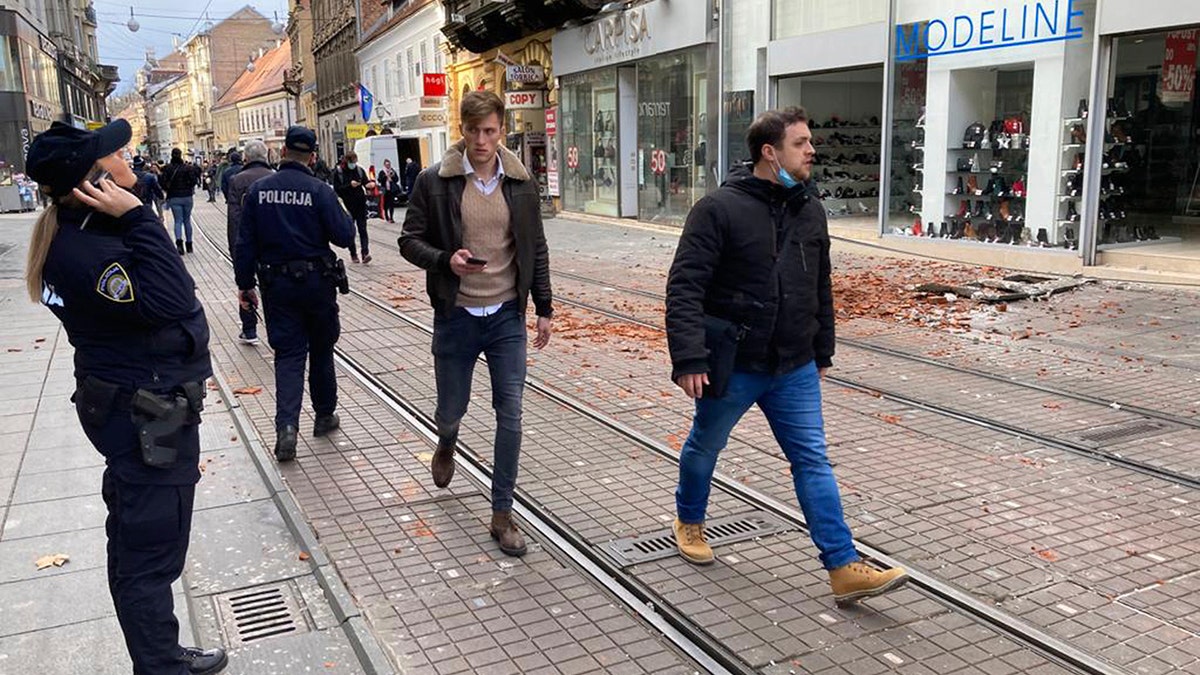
(62, 156)
(300, 138)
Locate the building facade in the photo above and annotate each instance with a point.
(335, 36)
(301, 78)
(48, 71)
(393, 59)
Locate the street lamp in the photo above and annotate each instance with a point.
(277, 26)
(133, 24)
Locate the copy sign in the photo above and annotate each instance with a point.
(525, 100)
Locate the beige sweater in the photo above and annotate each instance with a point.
(487, 234)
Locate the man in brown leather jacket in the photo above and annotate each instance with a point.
(474, 224)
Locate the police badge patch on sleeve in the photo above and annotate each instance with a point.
(114, 284)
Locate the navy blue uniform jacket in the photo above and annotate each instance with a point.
(289, 215)
(126, 301)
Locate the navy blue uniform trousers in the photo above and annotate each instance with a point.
(148, 527)
(302, 322)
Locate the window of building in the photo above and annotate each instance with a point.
(10, 68)
(589, 120)
(387, 82)
(424, 57)
(439, 59)
(412, 71)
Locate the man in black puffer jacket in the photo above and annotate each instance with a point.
(754, 261)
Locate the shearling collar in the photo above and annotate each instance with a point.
(452, 163)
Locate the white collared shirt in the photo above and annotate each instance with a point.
(487, 189)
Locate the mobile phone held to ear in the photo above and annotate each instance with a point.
(476, 261)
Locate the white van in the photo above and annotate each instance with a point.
(372, 150)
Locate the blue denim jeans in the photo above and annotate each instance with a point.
(458, 340)
(792, 405)
(181, 211)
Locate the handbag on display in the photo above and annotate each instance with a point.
(964, 164)
(973, 135)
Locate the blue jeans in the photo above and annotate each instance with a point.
(181, 211)
(458, 340)
(792, 405)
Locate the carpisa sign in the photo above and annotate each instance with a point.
(1003, 25)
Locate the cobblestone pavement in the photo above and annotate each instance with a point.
(1076, 546)
(409, 555)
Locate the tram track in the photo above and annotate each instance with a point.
(1065, 445)
(678, 628)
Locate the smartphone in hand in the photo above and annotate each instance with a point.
(477, 261)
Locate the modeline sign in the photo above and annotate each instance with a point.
(1002, 25)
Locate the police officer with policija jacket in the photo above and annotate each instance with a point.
(101, 261)
(289, 219)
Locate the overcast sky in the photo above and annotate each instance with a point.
(159, 20)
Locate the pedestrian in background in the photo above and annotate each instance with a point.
(474, 225)
(147, 188)
(750, 321)
(389, 185)
(289, 219)
(321, 170)
(101, 262)
(179, 179)
(231, 169)
(351, 183)
(210, 180)
(239, 184)
(412, 169)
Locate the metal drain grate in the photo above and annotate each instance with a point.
(253, 614)
(728, 530)
(1124, 431)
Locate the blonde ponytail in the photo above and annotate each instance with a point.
(39, 246)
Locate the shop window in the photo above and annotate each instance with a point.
(672, 123)
(844, 110)
(10, 64)
(1150, 187)
(589, 141)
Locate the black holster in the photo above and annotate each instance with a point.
(159, 419)
(337, 271)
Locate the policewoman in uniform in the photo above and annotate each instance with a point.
(289, 219)
(101, 261)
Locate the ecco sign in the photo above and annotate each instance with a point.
(1006, 24)
(525, 100)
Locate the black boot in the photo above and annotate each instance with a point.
(325, 424)
(204, 661)
(1043, 238)
(189, 247)
(958, 189)
(1083, 109)
(442, 465)
(285, 443)
(179, 246)
(1072, 214)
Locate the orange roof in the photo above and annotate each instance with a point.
(267, 77)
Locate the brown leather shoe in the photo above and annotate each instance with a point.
(505, 531)
(859, 580)
(442, 465)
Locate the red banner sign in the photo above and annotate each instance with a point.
(572, 157)
(552, 120)
(435, 84)
(1179, 67)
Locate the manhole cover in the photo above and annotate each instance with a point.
(719, 531)
(1123, 432)
(253, 614)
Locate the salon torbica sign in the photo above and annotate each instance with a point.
(995, 25)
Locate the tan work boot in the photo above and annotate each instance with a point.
(689, 537)
(859, 580)
(505, 531)
(442, 465)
